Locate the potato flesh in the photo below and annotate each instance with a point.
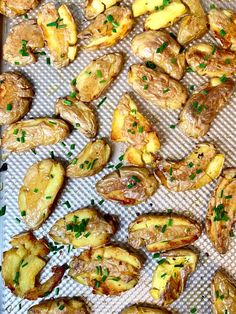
(136, 309)
(141, 7)
(94, 7)
(12, 8)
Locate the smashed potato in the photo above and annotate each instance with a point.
(170, 276)
(157, 87)
(41, 184)
(90, 161)
(199, 168)
(22, 264)
(94, 7)
(29, 134)
(12, 8)
(139, 309)
(107, 29)
(60, 33)
(222, 211)
(128, 185)
(109, 270)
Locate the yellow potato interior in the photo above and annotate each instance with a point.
(141, 7)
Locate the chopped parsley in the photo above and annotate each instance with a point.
(162, 47)
(222, 32)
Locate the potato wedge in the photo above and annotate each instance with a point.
(107, 29)
(93, 81)
(80, 115)
(94, 7)
(208, 60)
(41, 184)
(157, 87)
(199, 168)
(161, 49)
(128, 185)
(139, 309)
(29, 134)
(131, 127)
(221, 214)
(170, 276)
(90, 161)
(12, 8)
(203, 106)
(60, 33)
(109, 270)
(163, 232)
(22, 264)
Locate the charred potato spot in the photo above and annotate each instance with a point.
(94, 7)
(138, 309)
(110, 270)
(12, 8)
(41, 185)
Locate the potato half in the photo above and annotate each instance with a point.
(94, 7)
(139, 309)
(12, 8)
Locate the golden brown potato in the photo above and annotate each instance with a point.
(12, 8)
(128, 185)
(94, 7)
(84, 227)
(22, 264)
(109, 270)
(41, 184)
(203, 106)
(59, 31)
(209, 60)
(139, 309)
(157, 87)
(107, 29)
(170, 276)
(131, 127)
(16, 94)
(90, 161)
(221, 213)
(199, 168)
(161, 49)
(97, 76)
(29, 134)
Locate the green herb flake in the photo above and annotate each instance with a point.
(222, 32)
(101, 102)
(150, 65)
(170, 222)
(172, 126)
(162, 47)
(192, 176)
(67, 102)
(3, 211)
(9, 107)
(163, 229)
(99, 73)
(166, 90)
(23, 213)
(228, 197)
(193, 310)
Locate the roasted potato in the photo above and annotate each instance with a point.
(28, 134)
(12, 8)
(16, 94)
(84, 227)
(109, 270)
(157, 87)
(209, 60)
(94, 7)
(128, 185)
(107, 29)
(162, 49)
(131, 127)
(170, 276)
(22, 264)
(140, 309)
(141, 7)
(199, 168)
(203, 106)
(93, 81)
(163, 232)
(60, 33)
(221, 214)
(90, 161)
(41, 184)
(223, 291)
(80, 115)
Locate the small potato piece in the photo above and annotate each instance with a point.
(109, 270)
(41, 184)
(169, 278)
(93, 81)
(203, 106)
(16, 94)
(158, 88)
(12, 8)
(128, 185)
(94, 7)
(221, 214)
(138, 309)
(163, 232)
(90, 161)
(107, 29)
(199, 168)
(29, 134)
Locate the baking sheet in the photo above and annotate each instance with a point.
(51, 84)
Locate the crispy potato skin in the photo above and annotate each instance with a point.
(41, 131)
(128, 185)
(16, 90)
(203, 106)
(12, 8)
(145, 46)
(94, 7)
(47, 178)
(139, 309)
(223, 200)
(199, 168)
(100, 34)
(112, 261)
(159, 88)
